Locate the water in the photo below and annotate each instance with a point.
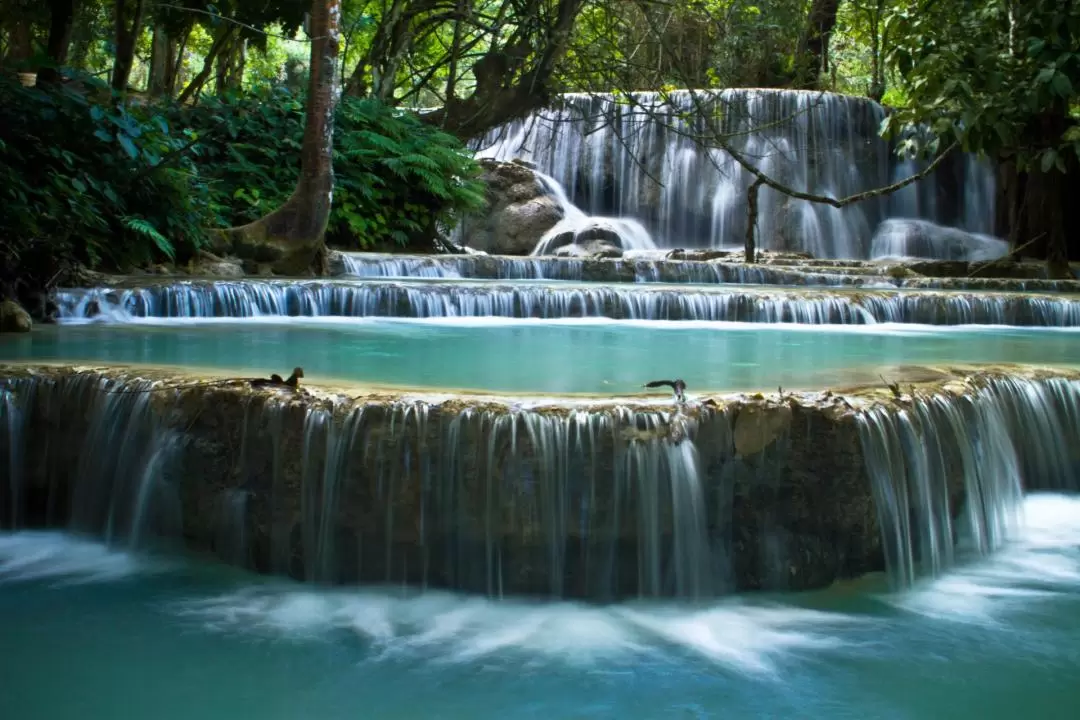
(643, 160)
(651, 270)
(904, 238)
(531, 356)
(460, 298)
(993, 639)
(600, 502)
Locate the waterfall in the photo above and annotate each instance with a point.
(577, 228)
(121, 459)
(478, 499)
(952, 467)
(255, 298)
(904, 238)
(641, 159)
(601, 501)
(11, 421)
(652, 270)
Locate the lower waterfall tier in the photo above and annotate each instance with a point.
(602, 501)
(455, 298)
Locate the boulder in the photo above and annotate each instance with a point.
(590, 248)
(208, 265)
(518, 212)
(13, 319)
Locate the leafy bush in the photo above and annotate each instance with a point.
(87, 180)
(397, 178)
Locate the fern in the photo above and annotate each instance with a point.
(144, 228)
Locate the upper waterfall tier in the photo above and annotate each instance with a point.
(600, 500)
(461, 298)
(797, 272)
(649, 157)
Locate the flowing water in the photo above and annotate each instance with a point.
(460, 298)
(531, 356)
(93, 633)
(644, 270)
(649, 157)
(966, 499)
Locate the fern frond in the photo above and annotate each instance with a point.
(143, 227)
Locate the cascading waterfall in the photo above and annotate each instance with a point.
(954, 467)
(640, 160)
(122, 459)
(577, 227)
(11, 421)
(904, 238)
(651, 270)
(627, 269)
(255, 298)
(554, 474)
(600, 502)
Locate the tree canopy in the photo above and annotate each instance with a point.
(201, 101)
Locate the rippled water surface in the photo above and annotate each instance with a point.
(94, 633)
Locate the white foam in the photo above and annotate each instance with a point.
(445, 627)
(30, 556)
(1043, 561)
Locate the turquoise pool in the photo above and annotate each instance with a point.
(93, 634)
(539, 356)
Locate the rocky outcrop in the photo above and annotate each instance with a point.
(13, 319)
(616, 499)
(517, 214)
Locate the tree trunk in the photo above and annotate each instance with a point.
(221, 40)
(812, 57)
(497, 98)
(291, 238)
(230, 67)
(174, 61)
(129, 23)
(749, 245)
(1031, 204)
(160, 52)
(20, 41)
(61, 21)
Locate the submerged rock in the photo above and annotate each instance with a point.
(13, 319)
(518, 212)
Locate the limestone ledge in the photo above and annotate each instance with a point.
(572, 497)
(702, 266)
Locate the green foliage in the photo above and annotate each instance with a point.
(396, 178)
(85, 179)
(1000, 78)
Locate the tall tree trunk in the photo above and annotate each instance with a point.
(230, 67)
(160, 53)
(221, 41)
(812, 57)
(20, 41)
(129, 23)
(61, 22)
(293, 235)
(174, 61)
(1032, 211)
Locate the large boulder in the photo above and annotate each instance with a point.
(518, 212)
(13, 319)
